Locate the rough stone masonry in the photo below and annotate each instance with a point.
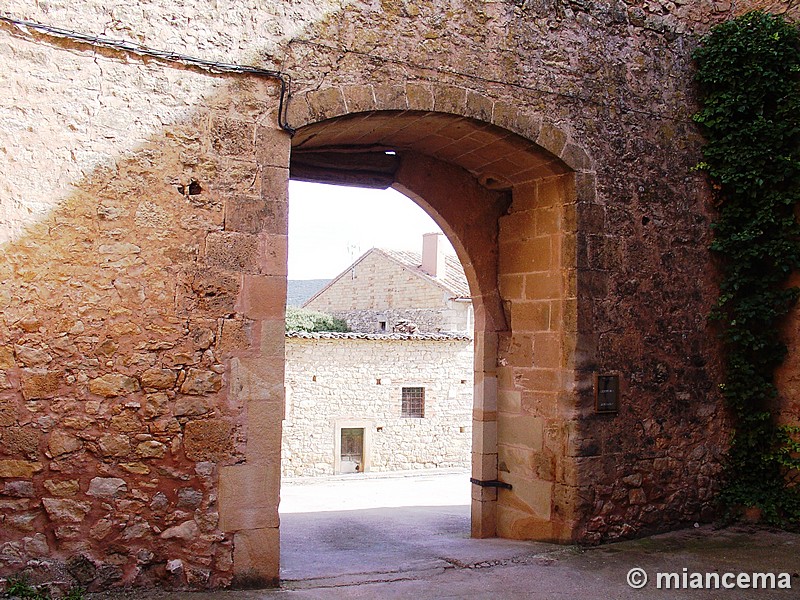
(143, 223)
(336, 381)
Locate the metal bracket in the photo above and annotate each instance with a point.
(496, 483)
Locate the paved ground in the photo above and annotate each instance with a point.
(357, 524)
(407, 537)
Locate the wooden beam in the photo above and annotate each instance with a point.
(345, 166)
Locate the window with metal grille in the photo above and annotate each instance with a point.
(413, 402)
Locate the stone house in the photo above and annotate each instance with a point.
(358, 402)
(397, 392)
(389, 289)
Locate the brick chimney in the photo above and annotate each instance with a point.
(433, 254)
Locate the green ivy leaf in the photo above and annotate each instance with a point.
(749, 77)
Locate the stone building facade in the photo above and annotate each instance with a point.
(143, 226)
(387, 288)
(356, 381)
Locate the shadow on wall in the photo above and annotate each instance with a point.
(121, 312)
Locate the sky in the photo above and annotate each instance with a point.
(331, 226)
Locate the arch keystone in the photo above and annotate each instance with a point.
(420, 96)
(390, 97)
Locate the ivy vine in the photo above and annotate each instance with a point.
(749, 78)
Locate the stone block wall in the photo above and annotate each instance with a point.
(120, 317)
(140, 270)
(536, 380)
(377, 288)
(377, 282)
(455, 318)
(341, 380)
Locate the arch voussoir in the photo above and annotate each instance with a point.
(326, 103)
(420, 96)
(316, 106)
(359, 98)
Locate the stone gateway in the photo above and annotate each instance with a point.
(143, 226)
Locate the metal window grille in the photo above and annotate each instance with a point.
(413, 402)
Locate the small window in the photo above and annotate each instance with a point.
(382, 325)
(413, 402)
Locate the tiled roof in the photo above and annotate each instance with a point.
(454, 279)
(335, 335)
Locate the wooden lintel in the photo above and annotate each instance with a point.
(375, 169)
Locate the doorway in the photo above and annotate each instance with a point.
(378, 419)
(506, 193)
(352, 448)
(351, 454)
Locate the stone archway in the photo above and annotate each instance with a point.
(513, 227)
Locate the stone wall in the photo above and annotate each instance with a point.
(84, 108)
(610, 280)
(376, 282)
(455, 318)
(378, 288)
(348, 380)
(132, 230)
(119, 326)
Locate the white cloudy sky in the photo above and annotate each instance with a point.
(330, 226)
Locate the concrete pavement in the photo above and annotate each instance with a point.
(408, 538)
